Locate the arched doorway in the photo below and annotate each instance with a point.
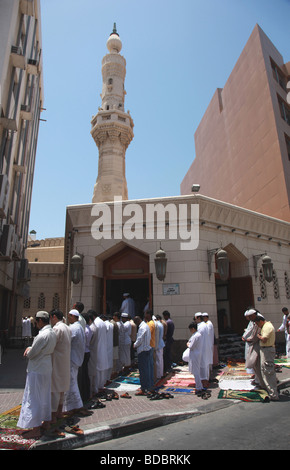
(126, 271)
(234, 295)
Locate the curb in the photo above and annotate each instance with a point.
(130, 426)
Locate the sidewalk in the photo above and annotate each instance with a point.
(119, 417)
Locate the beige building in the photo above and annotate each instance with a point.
(243, 140)
(47, 286)
(21, 101)
(111, 247)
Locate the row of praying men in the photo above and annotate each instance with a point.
(69, 364)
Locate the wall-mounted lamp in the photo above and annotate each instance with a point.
(160, 264)
(195, 188)
(76, 268)
(267, 266)
(222, 260)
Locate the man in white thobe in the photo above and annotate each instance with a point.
(210, 339)
(110, 347)
(60, 380)
(73, 401)
(102, 364)
(92, 364)
(159, 346)
(36, 402)
(204, 364)
(126, 343)
(121, 359)
(195, 351)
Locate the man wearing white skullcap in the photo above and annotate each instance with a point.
(36, 403)
(204, 361)
(72, 400)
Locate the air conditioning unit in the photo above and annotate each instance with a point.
(4, 196)
(24, 273)
(6, 241)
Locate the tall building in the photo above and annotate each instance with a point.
(243, 140)
(21, 101)
(112, 127)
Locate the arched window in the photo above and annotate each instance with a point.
(41, 301)
(56, 301)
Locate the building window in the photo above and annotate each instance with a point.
(55, 301)
(26, 303)
(276, 286)
(287, 285)
(41, 301)
(279, 75)
(263, 288)
(287, 140)
(284, 110)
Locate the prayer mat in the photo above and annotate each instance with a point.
(165, 389)
(247, 396)
(13, 439)
(283, 362)
(128, 380)
(9, 418)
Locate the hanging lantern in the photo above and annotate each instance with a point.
(223, 264)
(267, 266)
(160, 264)
(76, 268)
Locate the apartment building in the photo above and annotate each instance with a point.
(242, 143)
(21, 102)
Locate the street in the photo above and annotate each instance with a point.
(243, 426)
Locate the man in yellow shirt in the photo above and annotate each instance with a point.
(267, 355)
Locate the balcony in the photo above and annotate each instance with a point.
(17, 57)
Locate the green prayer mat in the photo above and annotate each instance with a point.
(248, 396)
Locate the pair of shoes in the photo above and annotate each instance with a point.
(167, 395)
(126, 395)
(156, 396)
(96, 405)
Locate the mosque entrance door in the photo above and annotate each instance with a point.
(126, 271)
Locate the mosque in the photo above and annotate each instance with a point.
(185, 253)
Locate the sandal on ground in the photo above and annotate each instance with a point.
(96, 405)
(74, 430)
(55, 433)
(140, 393)
(126, 395)
(156, 396)
(83, 413)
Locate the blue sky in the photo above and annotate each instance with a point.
(177, 54)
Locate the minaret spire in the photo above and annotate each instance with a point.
(112, 127)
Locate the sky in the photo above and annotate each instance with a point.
(177, 54)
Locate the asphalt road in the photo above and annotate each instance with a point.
(243, 426)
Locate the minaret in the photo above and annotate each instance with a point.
(112, 127)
